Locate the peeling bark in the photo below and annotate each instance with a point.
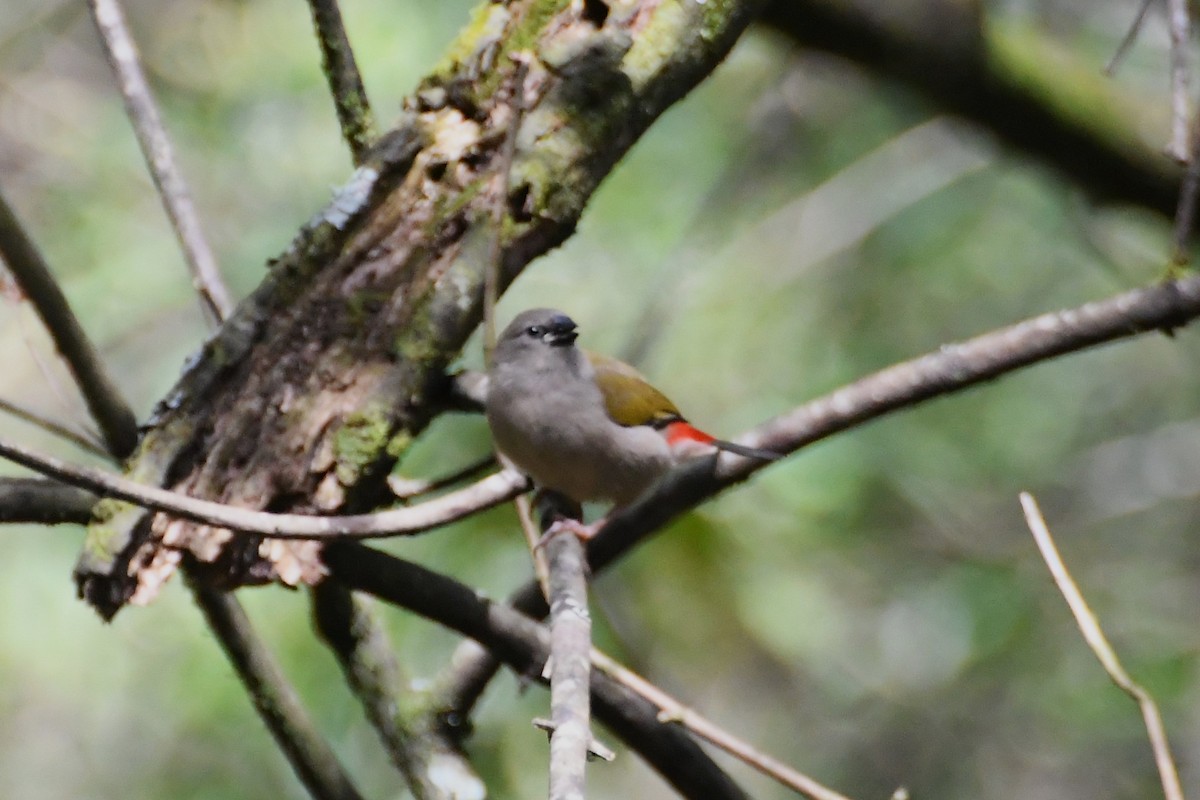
(322, 378)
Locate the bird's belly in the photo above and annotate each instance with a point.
(615, 464)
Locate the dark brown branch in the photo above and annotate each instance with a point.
(156, 148)
(104, 401)
(953, 367)
(274, 698)
(352, 630)
(44, 501)
(345, 82)
(524, 645)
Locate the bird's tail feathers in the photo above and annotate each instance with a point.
(746, 452)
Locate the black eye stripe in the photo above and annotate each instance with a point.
(534, 330)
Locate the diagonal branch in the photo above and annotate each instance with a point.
(103, 399)
(345, 82)
(156, 148)
(355, 634)
(951, 368)
(276, 701)
(80, 440)
(525, 645)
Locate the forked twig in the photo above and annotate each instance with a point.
(1089, 626)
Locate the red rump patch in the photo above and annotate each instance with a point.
(679, 432)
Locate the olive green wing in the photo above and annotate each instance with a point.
(629, 399)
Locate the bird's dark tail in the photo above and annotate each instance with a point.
(747, 452)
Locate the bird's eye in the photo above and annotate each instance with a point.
(534, 331)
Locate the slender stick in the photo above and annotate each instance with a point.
(1180, 26)
(409, 488)
(490, 491)
(345, 82)
(111, 412)
(274, 698)
(569, 666)
(491, 281)
(1089, 626)
(351, 627)
(71, 435)
(671, 710)
(156, 148)
(1130, 37)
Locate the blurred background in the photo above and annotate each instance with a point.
(872, 611)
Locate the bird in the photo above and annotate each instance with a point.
(585, 426)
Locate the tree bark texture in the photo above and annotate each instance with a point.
(322, 377)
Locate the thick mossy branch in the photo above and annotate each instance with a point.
(316, 385)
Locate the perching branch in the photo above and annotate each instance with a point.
(524, 645)
(156, 148)
(491, 491)
(953, 367)
(570, 665)
(310, 755)
(345, 82)
(1093, 634)
(103, 399)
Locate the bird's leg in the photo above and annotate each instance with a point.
(558, 514)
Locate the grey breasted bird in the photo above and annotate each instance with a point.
(584, 425)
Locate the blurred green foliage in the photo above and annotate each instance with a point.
(872, 611)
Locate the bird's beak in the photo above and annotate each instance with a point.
(560, 332)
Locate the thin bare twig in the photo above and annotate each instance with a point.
(491, 281)
(569, 665)
(71, 435)
(533, 538)
(350, 626)
(1185, 211)
(490, 491)
(1179, 24)
(345, 82)
(1130, 37)
(156, 148)
(103, 399)
(1089, 626)
(671, 710)
(274, 698)
(410, 488)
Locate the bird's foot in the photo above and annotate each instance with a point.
(573, 526)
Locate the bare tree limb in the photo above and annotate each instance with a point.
(351, 628)
(1179, 24)
(345, 82)
(156, 148)
(524, 645)
(274, 698)
(1093, 634)
(1128, 39)
(104, 401)
(491, 491)
(951, 368)
(44, 501)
